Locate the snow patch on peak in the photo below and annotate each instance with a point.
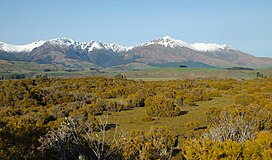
(167, 41)
(116, 47)
(64, 41)
(205, 47)
(20, 48)
(167, 38)
(96, 45)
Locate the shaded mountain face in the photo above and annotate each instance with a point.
(82, 55)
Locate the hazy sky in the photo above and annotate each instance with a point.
(244, 24)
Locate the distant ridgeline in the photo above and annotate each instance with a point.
(240, 68)
(68, 54)
(186, 64)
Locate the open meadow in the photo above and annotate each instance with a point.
(9, 70)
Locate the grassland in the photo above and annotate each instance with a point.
(158, 74)
(193, 73)
(132, 71)
(133, 119)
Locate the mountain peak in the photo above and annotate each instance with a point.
(63, 41)
(167, 41)
(162, 50)
(20, 48)
(167, 38)
(205, 47)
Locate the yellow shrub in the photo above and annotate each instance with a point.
(259, 148)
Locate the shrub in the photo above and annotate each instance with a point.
(158, 143)
(259, 148)
(207, 149)
(66, 142)
(161, 107)
(238, 123)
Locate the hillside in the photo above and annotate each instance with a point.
(66, 53)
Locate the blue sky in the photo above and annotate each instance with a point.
(244, 24)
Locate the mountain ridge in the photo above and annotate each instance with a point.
(167, 41)
(69, 53)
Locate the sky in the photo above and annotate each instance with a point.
(244, 24)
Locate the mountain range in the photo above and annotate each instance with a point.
(165, 51)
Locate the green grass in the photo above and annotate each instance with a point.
(61, 74)
(23, 66)
(153, 79)
(133, 119)
(133, 71)
(193, 73)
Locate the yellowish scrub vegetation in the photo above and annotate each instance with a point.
(114, 118)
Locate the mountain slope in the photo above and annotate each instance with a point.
(68, 53)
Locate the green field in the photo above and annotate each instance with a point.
(133, 119)
(193, 73)
(132, 71)
(158, 74)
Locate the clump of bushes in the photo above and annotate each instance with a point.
(258, 148)
(67, 142)
(158, 106)
(157, 143)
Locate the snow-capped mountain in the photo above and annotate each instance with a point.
(167, 41)
(20, 48)
(206, 47)
(68, 52)
(97, 45)
(64, 42)
(89, 46)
